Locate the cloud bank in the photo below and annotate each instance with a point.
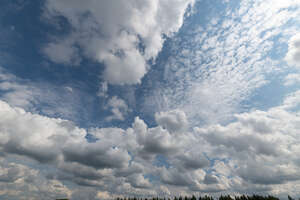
(257, 152)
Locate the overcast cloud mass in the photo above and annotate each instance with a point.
(101, 99)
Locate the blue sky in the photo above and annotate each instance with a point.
(149, 98)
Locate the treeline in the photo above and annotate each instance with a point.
(226, 197)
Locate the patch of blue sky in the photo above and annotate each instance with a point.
(188, 70)
(25, 60)
(161, 161)
(184, 67)
(152, 178)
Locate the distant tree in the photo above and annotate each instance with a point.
(290, 198)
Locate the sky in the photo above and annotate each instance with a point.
(103, 99)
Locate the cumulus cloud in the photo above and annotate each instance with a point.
(39, 140)
(117, 156)
(260, 146)
(210, 179)
(291, 79)
(173, 121)
(190, 160)
(118, 108)
(293, 54)
(102, 91)
(122, 35)
(19, 181)
(62, 53)
(256, 152)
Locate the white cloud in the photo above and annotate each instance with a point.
(62, 53)
(214, 69)
(293, 54)
(35, 136)
(118, 107)
(19, 181)
(291, 101)
(112, 32)
(173, 121)
(260, 147)
(15, 91)
(59, 144)
(102, 91)
(256, 152)
(292, 79)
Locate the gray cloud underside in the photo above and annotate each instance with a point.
(256, 152)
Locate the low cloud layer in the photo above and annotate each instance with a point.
(256, 152)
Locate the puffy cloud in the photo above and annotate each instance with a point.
(259, 147)
(291, 79)
(293, 54)
(174, 177)
(11, 173)
(118, 108)
(62, 53)
(158, 141)
(34, 136)
(291, 101)
(117, 156)
(210, 179)
(19, 181)
(191, 161)
(103, 88)
(138, 181)
(262, 174)
(123, 35)
(256, 152)
(173, 121)
(97, 155)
